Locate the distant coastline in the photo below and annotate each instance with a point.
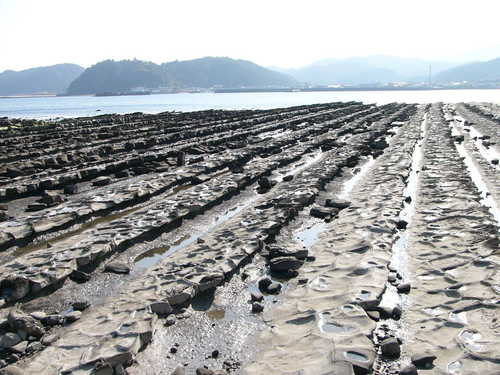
(27, 96)
(340, 89)
(263, 90)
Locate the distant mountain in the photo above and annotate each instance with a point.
(366, 70)
(472, 72)
(120, 76)
(116, 76)
(225, 72)
(49, 79)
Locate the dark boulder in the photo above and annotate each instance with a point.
(71, 189)
(79, 276)
(408, 370)
(390, 347)
(264, 283)
(257, 307)
(117, 267)
(404, 288)
(284, 264)
(256, 296)
(423, 360)
(274, 288)
(337, 203)
(101, 181)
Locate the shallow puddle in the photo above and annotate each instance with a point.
(327, 325)
(301, 165)
(351, 183)
(310, 235)
(153, 256)
(314, 227)
(354, 356)
(455, 368)
(470, 340)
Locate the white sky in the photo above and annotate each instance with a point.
(284, 33)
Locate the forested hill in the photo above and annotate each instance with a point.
(473, 72)
(42, 80)
(122, 76)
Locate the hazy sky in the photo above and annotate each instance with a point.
(284, 33)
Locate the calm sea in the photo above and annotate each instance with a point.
(76, 106)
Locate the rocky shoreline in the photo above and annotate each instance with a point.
(158, 244)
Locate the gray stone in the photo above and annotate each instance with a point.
(265, 183)
(392, 277)
(337, 203)
(161, 307)
(257, 307)
(274, 288)
(53, 320)
(71, 189)
(79, 276)
(396, 313)
(390, 347)
(322, 212)
(404, 288)
(51, 198)
(179, 294)
(35, 346)
(170, 321)
(373, 314)
(401, 224)
(49, 339)
(117, 267)
(423, 360)
(264, 283)
(80, 305)
(15, 287)
(283, 264)
(38, 315)
(73, 316)
(256, 296)
(101, 181)
(36, 206)
(19, 321)
(9, 339)
(20, 348)
(204, 371)
(408, 370)
(277, 251)
(23, 334)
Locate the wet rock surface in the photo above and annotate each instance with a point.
(454, 302)
(226, 242)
